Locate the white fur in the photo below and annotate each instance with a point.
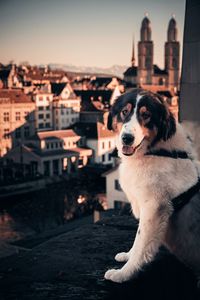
(150, 182)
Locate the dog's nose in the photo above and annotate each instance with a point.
(127, 139)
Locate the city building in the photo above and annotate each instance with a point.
(147, 73)
(43, 75)
(43, 110)
(66, 106)
(9, 77)
(49, 153)
(114, 194)
(17, 118)
(96, 136)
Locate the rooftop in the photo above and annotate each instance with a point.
(59, 134)
(92, 130)
(72, 264)
(14, 96)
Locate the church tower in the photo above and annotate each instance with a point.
(145, 53)
(172, 54)
(133, 54)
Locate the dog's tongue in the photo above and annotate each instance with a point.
(127, 150)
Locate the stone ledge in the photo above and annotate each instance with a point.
(72, 265)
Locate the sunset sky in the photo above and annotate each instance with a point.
(82, 32)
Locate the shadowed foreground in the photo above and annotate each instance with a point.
(72, 266)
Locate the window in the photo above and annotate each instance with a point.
(61, 144)
(48, 107)
(118, 204)
(6, 117)
(17, 116)
(47, 145)
(103, 145)
(40, 116)
(48, 125)
(40, 98)
(117, 185)
(40, 108)
(41, 125)
(46, 168)
(47, 116)
(109, 144)
(110, 155)
(6, 133)
(174, 63)
(18, 133)
(52, 145)
(103, 158)
(26, 131)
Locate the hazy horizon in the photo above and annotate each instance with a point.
(83, 33)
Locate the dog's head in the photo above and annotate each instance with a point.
(139, 116)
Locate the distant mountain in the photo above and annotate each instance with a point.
(116, 70)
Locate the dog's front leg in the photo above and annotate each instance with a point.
(152, 227)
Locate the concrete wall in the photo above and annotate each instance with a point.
(190, 79)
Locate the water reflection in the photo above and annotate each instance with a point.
(30, 214)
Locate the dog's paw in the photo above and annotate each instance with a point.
(122, 257)
(116, 276)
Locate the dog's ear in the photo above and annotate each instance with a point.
(168, 124)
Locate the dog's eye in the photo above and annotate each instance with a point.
(146, 115)
(126, 111)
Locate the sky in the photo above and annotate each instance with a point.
(83, 32)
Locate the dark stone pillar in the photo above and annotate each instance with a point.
(189, 111)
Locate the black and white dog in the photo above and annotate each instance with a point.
(160, 176)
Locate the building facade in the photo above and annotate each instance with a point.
(66, 106)
(17, 119)
(43, 110)
(49, 153)
(115, 195)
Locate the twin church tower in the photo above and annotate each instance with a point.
(147, 73)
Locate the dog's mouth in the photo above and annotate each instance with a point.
(130, 150)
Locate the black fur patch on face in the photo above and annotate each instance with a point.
(159, 116)
(120, 103)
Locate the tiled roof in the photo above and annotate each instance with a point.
(86, 97)
(92, 130)
(4, 73)
(14, 96)
(62, 152)
(57, 134)
(57, 88)
(158, 71)
(101, 81)
(132, 71)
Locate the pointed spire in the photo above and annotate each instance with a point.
(133, 53)
(145, 31)
(172, 30)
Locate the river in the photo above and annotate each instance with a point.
(23, 216)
